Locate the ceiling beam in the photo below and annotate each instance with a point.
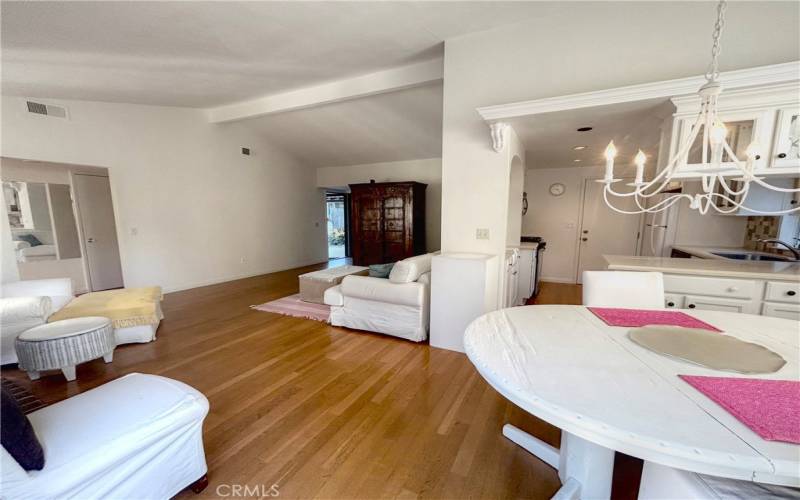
(379, 82)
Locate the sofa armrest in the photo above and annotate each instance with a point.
(24, 310)
(383, 290)
(33, 288)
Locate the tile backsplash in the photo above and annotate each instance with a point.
(762, 227)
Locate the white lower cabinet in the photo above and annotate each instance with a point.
(673, 301)
(787, 311)
(719, 304)
(769, 298)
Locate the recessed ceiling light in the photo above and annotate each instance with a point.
(584, 129)
(578, 148)
(576, 160)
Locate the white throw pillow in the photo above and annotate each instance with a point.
(409, 270)
(18, 245)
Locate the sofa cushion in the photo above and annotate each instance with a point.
(408, 270)
(381, 290)
(17, 435)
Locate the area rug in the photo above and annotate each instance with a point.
(293, 306)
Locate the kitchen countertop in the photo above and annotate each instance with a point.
(727, 268)
(706, 252)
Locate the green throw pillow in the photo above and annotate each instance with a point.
(380, 270)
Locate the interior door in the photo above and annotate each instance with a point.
(93, 194)
(604, 231)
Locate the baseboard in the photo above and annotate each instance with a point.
(217, 281)
(568, 281)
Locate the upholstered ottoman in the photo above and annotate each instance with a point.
(314, 284)
(63, 344)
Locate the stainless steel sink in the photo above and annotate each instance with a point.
(753, 256)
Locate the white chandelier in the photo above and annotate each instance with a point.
(717, 193)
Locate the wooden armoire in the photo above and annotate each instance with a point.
(387, 221)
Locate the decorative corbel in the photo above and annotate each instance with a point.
(499, 134)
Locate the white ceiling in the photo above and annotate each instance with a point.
(549, 138)
(204, 54)
(402, 125)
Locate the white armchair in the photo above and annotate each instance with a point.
(139, 436)
(398, 306)
(25, 304)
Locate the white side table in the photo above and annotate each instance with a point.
(63, 344)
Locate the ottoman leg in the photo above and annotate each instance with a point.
(33, 375)
(108, 358)
(69, 372)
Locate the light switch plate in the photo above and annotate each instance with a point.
(482, 233)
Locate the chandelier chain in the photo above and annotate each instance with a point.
(713, 69)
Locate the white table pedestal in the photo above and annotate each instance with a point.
(585, 469)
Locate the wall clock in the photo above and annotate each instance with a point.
(557, 189)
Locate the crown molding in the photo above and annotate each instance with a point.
(762, 75)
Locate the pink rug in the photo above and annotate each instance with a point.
(293, 306)
(771, 408)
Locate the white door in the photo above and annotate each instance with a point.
(604, 231)
(93, 194)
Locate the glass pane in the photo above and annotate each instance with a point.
(336, 226)
(29, 217)
(794, 138)
(740, 135)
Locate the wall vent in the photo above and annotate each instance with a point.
(47, 109)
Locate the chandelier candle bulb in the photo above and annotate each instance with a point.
(640, 159)
(610, 153)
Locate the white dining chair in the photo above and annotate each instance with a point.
(623, 289)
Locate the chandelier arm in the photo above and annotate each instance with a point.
(775, 188)
(656, 208)
(739, 205)
(730, 191)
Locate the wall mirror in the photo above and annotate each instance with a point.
(42, 221)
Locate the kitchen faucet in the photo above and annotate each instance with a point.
(792, 249)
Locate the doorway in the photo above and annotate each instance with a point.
(336, 208)
(604, 231)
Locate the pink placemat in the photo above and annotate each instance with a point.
(771, 408)
(642, 317)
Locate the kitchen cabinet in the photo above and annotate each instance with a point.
(511, 295)
(786, 147)
(749, 296)
(767, 115)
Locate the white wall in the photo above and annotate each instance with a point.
(692, 228)
(569, 48)
(428, 171)
(202, 211)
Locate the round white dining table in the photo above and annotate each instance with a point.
(567, 367)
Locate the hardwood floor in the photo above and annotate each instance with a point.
(325, 412)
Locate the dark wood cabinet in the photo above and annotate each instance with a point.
(387, 221)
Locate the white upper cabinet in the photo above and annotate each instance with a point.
(768, 115)
(786, 148)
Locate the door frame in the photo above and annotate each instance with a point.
(578, 232)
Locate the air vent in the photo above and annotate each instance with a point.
(47, 109)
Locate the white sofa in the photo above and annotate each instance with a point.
(139, 436)
(25, 304)
(398, 306)
(28, 303)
